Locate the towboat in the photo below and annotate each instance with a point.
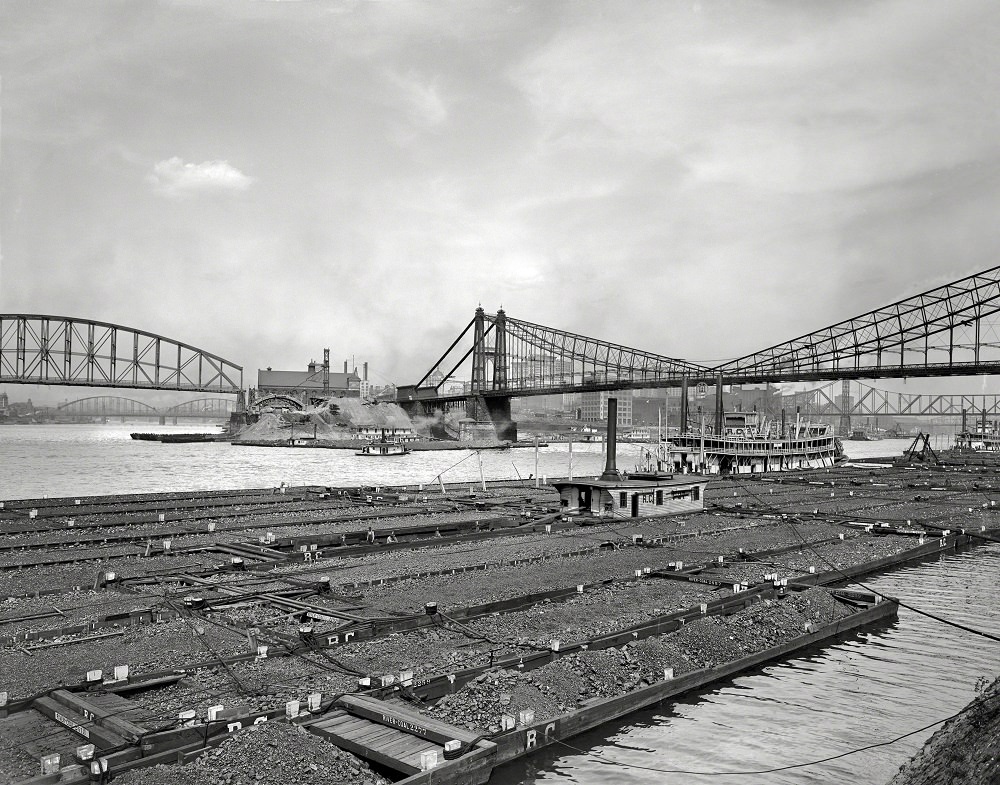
(749, 444)
(980, 438)
(384, 449)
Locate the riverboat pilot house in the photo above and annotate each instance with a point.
(645, 493)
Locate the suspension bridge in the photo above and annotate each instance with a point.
(951, 330)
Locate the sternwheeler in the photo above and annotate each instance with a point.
(750, 444)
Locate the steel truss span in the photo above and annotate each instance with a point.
(202, 407)
(953, 330)
(510, 357)
(113, 406)
(873, 402)
(948, 331)
(107, 406)
(60, 350)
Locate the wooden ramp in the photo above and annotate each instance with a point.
(390, 734)
(61, 722)
(102, 720)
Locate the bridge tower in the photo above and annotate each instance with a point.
(479, 351)
(500, 351)
(494, 409)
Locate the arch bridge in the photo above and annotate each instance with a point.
(113, 406)
(278, 401)
(62, 350)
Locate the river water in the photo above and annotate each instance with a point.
(868, 688)
(78, 460)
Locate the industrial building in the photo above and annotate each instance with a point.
(312, 386)
(594, 408)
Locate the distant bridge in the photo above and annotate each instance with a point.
(873, 402)
(61, 350)
(112, 406)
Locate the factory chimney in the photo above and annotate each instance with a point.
(326, 369)
(610, 468)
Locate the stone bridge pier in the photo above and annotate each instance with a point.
(494, 411)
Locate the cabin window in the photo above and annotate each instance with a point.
(622, 499)
(659, 497)
(695, 493)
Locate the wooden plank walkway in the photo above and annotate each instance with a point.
(389, 733)
(388, 746)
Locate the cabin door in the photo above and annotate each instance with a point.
(635, 505)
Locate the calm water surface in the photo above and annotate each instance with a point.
(869, 687)
(67, 460)
(873, 686)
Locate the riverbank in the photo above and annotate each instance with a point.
(964, 751)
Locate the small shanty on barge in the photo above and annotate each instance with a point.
(647, 492)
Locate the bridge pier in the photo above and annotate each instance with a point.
(492, 410)
(240, 420)
(163, 420)
(432, 410)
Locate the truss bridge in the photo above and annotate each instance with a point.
(113, 406)
(61, 350)
(952, 330)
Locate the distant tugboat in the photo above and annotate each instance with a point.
(749, 445)
(384, 448)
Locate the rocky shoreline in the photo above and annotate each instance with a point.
(963, 751)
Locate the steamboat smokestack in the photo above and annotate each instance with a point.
(610, 468)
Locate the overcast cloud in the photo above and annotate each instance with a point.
(265, 179)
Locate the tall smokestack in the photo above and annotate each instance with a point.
(684, 405)
(345, 366)
(610, 468)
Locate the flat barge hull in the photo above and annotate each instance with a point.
(479, 764)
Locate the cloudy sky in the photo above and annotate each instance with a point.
(699, 179)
